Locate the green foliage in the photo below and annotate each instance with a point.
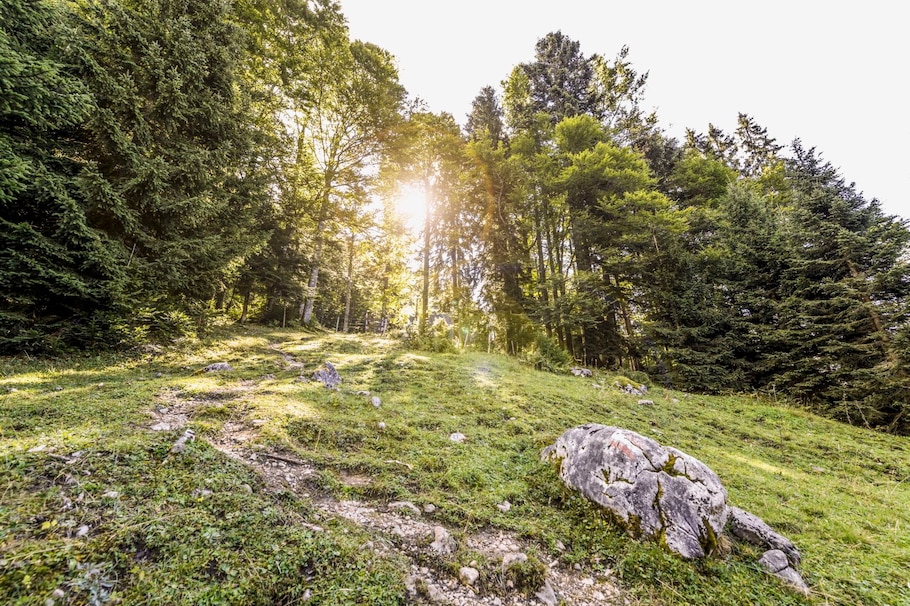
(58, 273)
(548, 355)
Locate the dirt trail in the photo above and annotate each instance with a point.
(402, 528)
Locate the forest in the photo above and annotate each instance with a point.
(166, 165)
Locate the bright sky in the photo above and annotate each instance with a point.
(832, 74)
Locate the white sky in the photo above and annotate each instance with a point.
(832, 74)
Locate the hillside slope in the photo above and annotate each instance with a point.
(291, 492)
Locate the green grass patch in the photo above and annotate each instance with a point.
(186, 529)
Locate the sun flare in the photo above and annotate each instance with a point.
(411, 205)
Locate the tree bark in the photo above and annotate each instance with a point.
(349, 287)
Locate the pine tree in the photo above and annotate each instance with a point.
(59, 277)
(844, 297)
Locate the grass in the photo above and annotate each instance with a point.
(201, 529)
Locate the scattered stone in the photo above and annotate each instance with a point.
(39, 448)
(362, 393)
(777, 563)
(111, 494)
(258, 422)
(468, 575)
(513, 558)
(633, 389)
(328, 376)
(443, 543)
(158, 375)
(753, 529)
(381, 426)
(180, 445)
(429, 508)
(82, 531)
(11, 390)
(504, 507)
(646, 402)
(247, 488)
(675, 400)
(58, 388)
(560, 546)
(582, 372)
(218, 367)
(546, 594)
(375, 401)
(458, 437)
(655, 491)
(405, 506)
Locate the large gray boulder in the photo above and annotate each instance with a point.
(653, 490)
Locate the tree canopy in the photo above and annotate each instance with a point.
(166, 163)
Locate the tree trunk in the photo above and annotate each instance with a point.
(350, 284)
(306, 309)
(425, 293)
(246, 306)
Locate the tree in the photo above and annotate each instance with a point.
(844, 297)
(561, 78)
(348, 126)
(60, 278)
(172, 171)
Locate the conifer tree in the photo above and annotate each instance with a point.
(60, 280)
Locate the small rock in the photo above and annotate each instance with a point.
(777, 563)
(587, 581)
(218, 367)
(675, 400)
(458, 437)
(560, 546)
(381, 426)
(158, 375)
(246, 488)
(362, 393)
(58, 594)
(510, 559)
(405, 505)
(82, 531)
(646, 402)
(468, 575)
(11, 390)
(111, 494)
(258, 422)
(39, 448)
(546, 594)
(504, 507)
(429, 508)
(375, 401)
(582, 372)
(328, 376)
(443, 543)
(58, 388)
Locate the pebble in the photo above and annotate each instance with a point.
(429, 508)
(375, 401)
(458, 437)
(468, 575)
(504, 507)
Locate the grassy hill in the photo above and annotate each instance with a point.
(96, 509)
